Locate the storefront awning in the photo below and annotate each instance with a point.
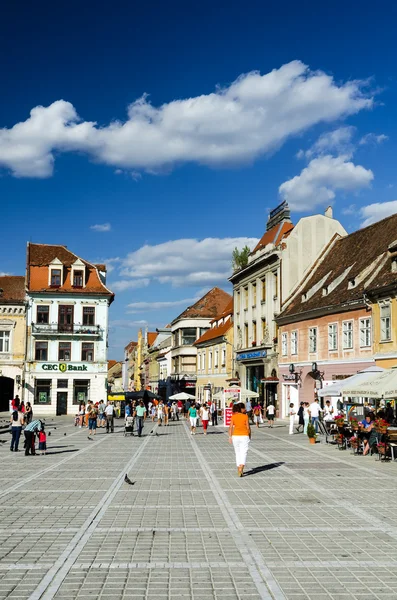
(337, 389)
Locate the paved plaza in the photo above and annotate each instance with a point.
(308, 522)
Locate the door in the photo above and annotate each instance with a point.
(65, 318)
(62, 403)
(6, 393)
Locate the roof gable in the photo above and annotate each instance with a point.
(208, 307)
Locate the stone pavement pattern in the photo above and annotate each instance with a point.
(310, 522)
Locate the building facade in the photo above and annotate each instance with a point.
(12, 338)
(335, 324)
(282, 257)
(67, 330)
(215, 358)
(188, 327)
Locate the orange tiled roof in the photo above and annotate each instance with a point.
(209, 306)
(111, 363)
(40, 256)
(151, 337)
(226, 313)
(274, 235)
(214, 332)
(130, 346)
(13, 289)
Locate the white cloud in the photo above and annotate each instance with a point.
(184, 262)
(318, 182)
(253, 115)
(101, 228)
(337, 141)
(122, 323)
(349, 210)
(372, 138)
(126, 284)
(377, 211)
(3, 274)
(137, 307)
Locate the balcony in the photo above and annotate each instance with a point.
(55, 329)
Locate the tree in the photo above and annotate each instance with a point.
(240, 258)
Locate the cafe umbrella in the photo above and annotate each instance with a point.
(384, 385)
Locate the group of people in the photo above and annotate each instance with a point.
(258, 414)
(22, 420)
(309, 413)
(95, 415)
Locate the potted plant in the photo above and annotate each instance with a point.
(354, 423)
(311, 433)
(339, 420)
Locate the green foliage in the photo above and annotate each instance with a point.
(240, 258)
(311, 432)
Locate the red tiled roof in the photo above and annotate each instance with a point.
(151, 337)
(40, 256)
(209, 306)
(111, 363)
(214, 332)
(13, 289)
(358, 251)
(101, 267)
(274, 235)
(226, 313)
(130, 346)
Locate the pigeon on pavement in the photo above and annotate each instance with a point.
(128, 480)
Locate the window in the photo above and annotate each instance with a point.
(199, 362)
(365, 333)
(80, 391)
(265, 331)
(65, 318)
(245, 297)
(78, 278)
(294, 342)
(223, 357)
(254, 294)
(56, 275)
(4, 341)
(216, 364)
(284, 344)
(188, 336)
(275, 276)
(209, 360)
(64, 351)
(385, 322)
(87, 352)
(263, 290)
(88, 315)
(43, 314)
(42, 391)
(347, 331)
(202, 331)
(246, 336)
(333, 336)
(41, 351)
(313, 339)
(62, 383)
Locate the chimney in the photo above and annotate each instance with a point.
(329, 212)
(278, 215)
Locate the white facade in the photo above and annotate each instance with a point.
(66, 363)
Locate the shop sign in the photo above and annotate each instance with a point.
(63, 367)
(251, 355)
(43, 397)
(289, 377)
(190, 384)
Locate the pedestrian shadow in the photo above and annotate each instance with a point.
(269, 467)
(62, 451)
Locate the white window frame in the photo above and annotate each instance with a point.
(216, 359)
(294, 342)
(347, 331)
(313, 340)
(365, 332)
(284, 344)
(223, 356)
(6, 341)
(209, 360)
(385, 322)
(333, 335)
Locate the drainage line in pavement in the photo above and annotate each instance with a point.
(54, 578)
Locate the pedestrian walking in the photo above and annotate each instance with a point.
(174, 411)
(166, 414)
(205, 417)
(101, 414)
(214, 413)
(140, 415)
(193, 418)
(270, 414)
(240, 436)
(257, 410)
(28, 413)
(30, 436)
(92, 413)
(292, 415)
(248, 409)
(17, 420)
(15, 403)
(153, 412)
(301, 421)
(109, 412)
(82, 414)
(180, 408)
(306, 417)
(315, 410)
(160, 413)
(187, 408)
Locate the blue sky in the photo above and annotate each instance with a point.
(175, 129)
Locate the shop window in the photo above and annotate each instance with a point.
(81, 389)
(88, 315)
(64, 351)
(87, 352)
(56, 277)
(42, 391)
(41, 351)
(4, 341)
(43, 314)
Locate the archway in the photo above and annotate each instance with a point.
(308, 391)
(6, 393)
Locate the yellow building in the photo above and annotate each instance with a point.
(138, 362)
(215, 359)
(12, 338)
(384, 328)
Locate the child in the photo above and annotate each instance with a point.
(42, 441)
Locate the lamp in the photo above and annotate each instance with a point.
(18, 379)
(292, 368)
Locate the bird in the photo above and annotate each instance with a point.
(49, 433)
(91, 440)
(152, 431)
(65, 433)
(128, 480)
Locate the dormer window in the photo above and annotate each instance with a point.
(56, 277)
(78, 279)
(325, 290)
(351, 284)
